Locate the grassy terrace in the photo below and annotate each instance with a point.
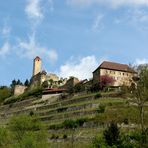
(116, 108)
(80, 105)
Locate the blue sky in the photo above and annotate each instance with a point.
(71, 36)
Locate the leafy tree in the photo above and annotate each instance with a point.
(45, 84)
(79, 87)
(140, 94)
(22, 124)
(27, 132)
(106, 80)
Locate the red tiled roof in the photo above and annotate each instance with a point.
(115, 66)
(37, 58)
(53, 90)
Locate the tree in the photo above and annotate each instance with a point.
(13, 83)
(45, 84)
(19, 82)
(106, 80)
(26, 82)
(51, 82)
(27, 132)
(112, 134)
(140, 92)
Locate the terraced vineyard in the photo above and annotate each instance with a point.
(54, 111)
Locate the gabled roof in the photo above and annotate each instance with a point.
(37, 58)
(115, 66)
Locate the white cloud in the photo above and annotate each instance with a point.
(108, 3)
(141, 61)
(82, 70)
(51, 5)
(33, 9)
(4, 50)
(137, 18)
(6, 31)
(98, 24)
(31, 48)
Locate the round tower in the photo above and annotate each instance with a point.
(37, 65)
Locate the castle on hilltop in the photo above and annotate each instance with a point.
(40, 76)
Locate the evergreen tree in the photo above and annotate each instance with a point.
(112, 134)
(18, 82)
(26, 82)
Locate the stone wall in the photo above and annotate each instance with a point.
(19, 89)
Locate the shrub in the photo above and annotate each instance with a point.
(30, 93)
(98, 95)
(81, 121)
(4, 137)
(125, 121)
(69, 124)
(52, 136)
(101, 108)
(56, 126)
(98, 142)
(31, 113)
(62, 109)
(64, 136)
(22, 124)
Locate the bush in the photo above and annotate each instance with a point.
(62, 109)
(98, 142)
(125, 121)
(81, 121)
(52, 136)
(101, 108)
(30, 93)
(22, 124)
(69, 124)
(64, 136)
(31, 113)
(56, 126)
(4, 137)
(98, 95)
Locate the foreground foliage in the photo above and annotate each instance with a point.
(113, 138)
(23, 132)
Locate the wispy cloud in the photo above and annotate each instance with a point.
(98, 23)
(33, 9)
(81, 69)
(31, 48)
(141, 61)
(5, 49)
(6, 31)
(108, 3)
(136, 17)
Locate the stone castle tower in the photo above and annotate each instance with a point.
(37, 65)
